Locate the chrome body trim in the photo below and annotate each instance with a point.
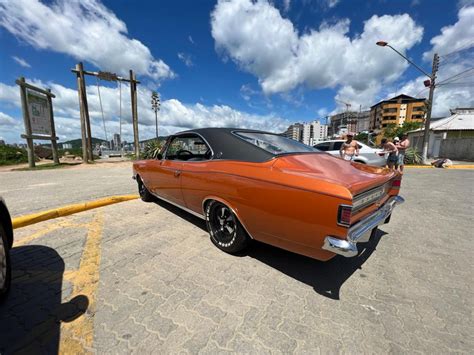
(179, 206)
(361, 231)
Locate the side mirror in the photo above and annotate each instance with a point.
(159, 156)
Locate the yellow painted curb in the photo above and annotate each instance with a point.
(27, 220)
(461, 166)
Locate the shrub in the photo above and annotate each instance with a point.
(12, 155)
(412, 157)
(152, 149)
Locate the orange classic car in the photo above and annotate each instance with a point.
(250, 184)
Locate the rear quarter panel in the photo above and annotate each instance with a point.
(293, 218)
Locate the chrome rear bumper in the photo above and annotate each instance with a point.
(361, 231)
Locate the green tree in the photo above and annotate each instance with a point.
(392, 130)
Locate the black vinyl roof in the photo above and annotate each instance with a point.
(227, 145)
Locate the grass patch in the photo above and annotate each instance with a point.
(48, 166)
(12, 155)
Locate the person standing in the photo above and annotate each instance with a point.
(402, 146)
(349, 149)
(391, 149)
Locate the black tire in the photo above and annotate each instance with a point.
(226, 232)
(5, 265)
(145, 195)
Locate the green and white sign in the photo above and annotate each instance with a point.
(39, 111)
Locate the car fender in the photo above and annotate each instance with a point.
(228, 204)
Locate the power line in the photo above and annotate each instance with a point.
(466, 46)
(452, 78)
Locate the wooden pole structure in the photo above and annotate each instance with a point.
(85, 155)
(54, 143)
(26, 119)
(86, 112)
(133, 93)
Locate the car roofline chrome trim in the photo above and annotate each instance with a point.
(179, 206)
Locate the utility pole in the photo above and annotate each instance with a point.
(133, 93)
(155, 105)
(426, 135)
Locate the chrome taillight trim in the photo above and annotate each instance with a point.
(339, 212)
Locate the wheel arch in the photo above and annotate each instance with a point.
(234, 210)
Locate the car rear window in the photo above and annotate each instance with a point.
(274, 143)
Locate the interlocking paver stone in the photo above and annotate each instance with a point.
(164, 288)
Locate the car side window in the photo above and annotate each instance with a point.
(188, 147)
(337, 145)
(323, 146)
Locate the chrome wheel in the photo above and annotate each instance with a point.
(3, 263)
(223, 225)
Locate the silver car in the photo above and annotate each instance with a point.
(367, 155)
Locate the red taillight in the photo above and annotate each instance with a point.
(344, 215)
(397, 182)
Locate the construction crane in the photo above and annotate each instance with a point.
(348, 105)
(346, 116)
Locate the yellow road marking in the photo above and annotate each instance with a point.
(46, 230)
(78, 335)
(23, 221)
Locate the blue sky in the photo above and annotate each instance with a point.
(228, 63)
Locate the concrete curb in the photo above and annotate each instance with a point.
(23, 221)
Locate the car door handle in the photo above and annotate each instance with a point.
(177, 173)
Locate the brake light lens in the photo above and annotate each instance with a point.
(344, 215)
(397, 182)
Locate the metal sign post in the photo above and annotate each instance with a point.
(37, 107)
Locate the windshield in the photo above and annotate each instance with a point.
(274, 143)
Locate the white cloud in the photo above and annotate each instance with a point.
(85, 30)
(459, 93)
(6, 120)
(286, 5)
(462, 3)
(331, 3)
(174, 115)
(186, 59)
(21, 62)
(190, 39)
(458, 36)
(256, 37)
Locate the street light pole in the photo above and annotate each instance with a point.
(432, 76)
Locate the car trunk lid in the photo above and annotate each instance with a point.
(356, 177)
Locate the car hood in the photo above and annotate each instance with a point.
(326, 168)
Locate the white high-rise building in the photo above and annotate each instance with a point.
(307, 133)
(314, 132)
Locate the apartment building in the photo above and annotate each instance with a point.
(396, 111)
(307, 133)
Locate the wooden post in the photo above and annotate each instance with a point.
(54, 143)
(86, 112)
(26, 118)
(85, 155)
(133, 93)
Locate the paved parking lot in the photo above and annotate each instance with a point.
(145, 278)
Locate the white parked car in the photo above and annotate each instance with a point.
(367, 155)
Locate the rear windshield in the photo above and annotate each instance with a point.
(274, 143)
